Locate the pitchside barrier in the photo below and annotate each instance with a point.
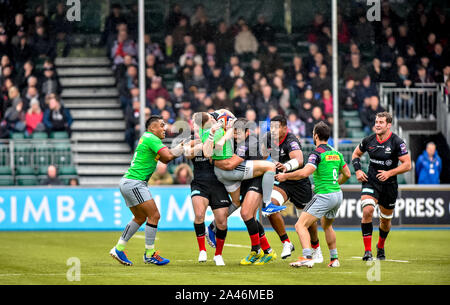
(82, 208)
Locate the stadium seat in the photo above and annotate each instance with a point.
(24, 170)
(27, 180)
(17, 135)
(6, 180)
(5, 171)
(356, 134)
(59, 135)
(39, 135)
(22, 154)
(353, 123)
(4, 155)
(350, 114)
(62, 154)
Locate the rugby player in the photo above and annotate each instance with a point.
(135, 191)
(247, 148)
(207, 190)
(286, 150)
(379, 185)
(329, 171)
(234, 169)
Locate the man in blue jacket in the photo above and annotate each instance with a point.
(429, 166)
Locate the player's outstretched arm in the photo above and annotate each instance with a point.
(192, 149)
(167, 155)
(298, 174)
(208, 145)
(295, 162)
(356, 162)
(404, 167)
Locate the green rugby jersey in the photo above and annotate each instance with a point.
(328, 163)
(227, 150)
(145, 157)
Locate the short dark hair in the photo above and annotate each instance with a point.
(279, 118)
(322, 130)
(151, 119)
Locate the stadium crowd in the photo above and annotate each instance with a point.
(30, 87)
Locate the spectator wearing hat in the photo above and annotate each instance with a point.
(156, 89)
(5, 46)
(34, 117)
(50, 81)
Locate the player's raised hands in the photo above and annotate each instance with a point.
(383, 175)
(361, 176)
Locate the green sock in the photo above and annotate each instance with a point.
(149, 252)
(120, 247)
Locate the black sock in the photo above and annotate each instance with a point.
(252, 228)
(199, 229)
(383, 234)
(366, 228)
(284, 237)
(314, 243)
(221, 234)
(260, 229)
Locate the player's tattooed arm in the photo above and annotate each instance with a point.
(404, 167)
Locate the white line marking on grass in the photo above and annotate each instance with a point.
(387, 260)
(236, 246)
(143, 237)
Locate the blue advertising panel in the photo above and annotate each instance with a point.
(93, 209)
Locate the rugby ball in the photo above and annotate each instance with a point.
(223, 120)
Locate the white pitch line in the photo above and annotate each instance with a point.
(236, 246)
(387, 260)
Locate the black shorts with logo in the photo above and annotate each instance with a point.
(299, 193)
(386, 193)
(215, 192)
(254, 184)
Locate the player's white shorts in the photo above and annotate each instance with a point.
(134, 191)
(232, 179)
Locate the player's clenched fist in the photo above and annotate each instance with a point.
(361, 176)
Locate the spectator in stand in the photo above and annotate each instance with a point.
(296, 67)
(122, 47)
(438, 60)
(161, 105)
(354, 69)
(177, 96)
(110, 29)
(50, 82)
(316, 117)
(364, 90)
(190, 52)
(263, 31)
(422, 77)
(297, 90)
(363, 32)
(327, 102)
(132, 114)
(215, 80)
(5, 46)
(22, 52)
(198, 78)
(15, 116)
(126, 83)
(42, 45)
(153, 48)
(180, 31)
(56, 117)
(161, 176)
(264, 102)
(315, 66)
(368, 113)
(429, 166)
(156, 89)
(221, 99)
(202, 31)
(31, 93)
(34, 117)
(243, 102)
(295, 125)
(61, 29)
(322, 81)
(18, 24)
(348, 96)
(183, 174)
(387, 53)
(376, 73)
(223, 40)
(307, 103)
(315, 29)
(245, 42)
(173, 19)
(271, 60)
(168, 51)
(52, 177)
(404, 102)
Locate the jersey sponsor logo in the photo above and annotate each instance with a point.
(403, 148)
(141, 140)
(312, 158)
(388, 150)
(332, 158)
(295, 146)
(388, 162)
(377, 161)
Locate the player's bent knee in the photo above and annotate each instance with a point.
(367, 203)
(386, 217)
(278, 197)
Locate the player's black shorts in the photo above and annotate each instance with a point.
(215, 192)
(299, 193)
(386, 194)
(254, 184)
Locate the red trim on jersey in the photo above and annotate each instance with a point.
(161, 149)
(344, 165)
(384, 139)
(320, 150)
(283, 139)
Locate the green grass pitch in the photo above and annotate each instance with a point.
(414, 257)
